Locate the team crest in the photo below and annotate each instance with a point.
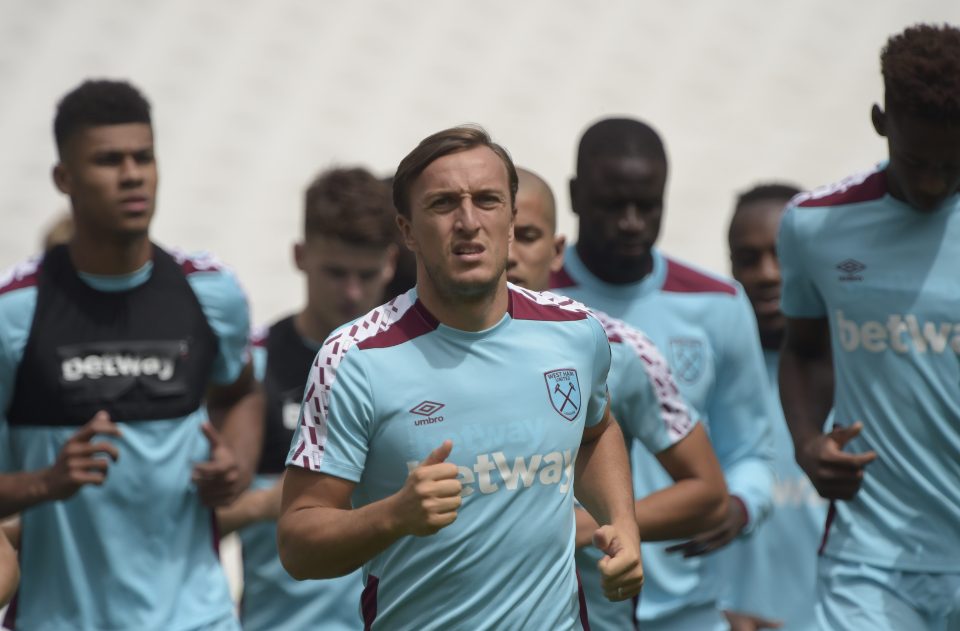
(563, 387)
(688, 358)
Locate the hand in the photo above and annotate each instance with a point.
(732, 525)
(77, 464)
(219, 480)
(430, 497)
(586, 527)
(621, 570)
(746, 622)
(835, 474)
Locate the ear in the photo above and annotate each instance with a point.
(879, 118)
(573, 196)
(406, 230)
(300, 255)
(559, 245)
(61, 179)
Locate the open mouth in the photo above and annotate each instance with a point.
(468, 251)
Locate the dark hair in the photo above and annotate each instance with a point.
(921, 72)
(95, 103)
(438, 145)
(352, 205)
(619, 137)
(769, 191)
(772, 191)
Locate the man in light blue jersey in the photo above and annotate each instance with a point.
(644, 399)
(705, 328)
(870, 290)
(347, 257)
(771, 575)
(443, 434)
(109, 347)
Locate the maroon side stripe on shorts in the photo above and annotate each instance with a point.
(584, 619)
(368, 602)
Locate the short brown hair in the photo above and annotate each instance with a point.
(351, 205)
(438, 145)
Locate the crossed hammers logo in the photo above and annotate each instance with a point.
(566, 397)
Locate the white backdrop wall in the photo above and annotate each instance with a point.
(251, 98)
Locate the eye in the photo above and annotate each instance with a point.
(488, 199)
(527, 234)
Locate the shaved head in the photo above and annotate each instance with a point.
(536, 250)
(535, 189)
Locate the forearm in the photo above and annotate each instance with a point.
(325, 542)
(251, 507)
(240, 423)
(682, 510)
(21, 490)
(9, 571)
(602, 480)
(806, 392)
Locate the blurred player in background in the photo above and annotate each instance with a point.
(705, 328)
(459, 417)
(870, 287)
(110, 348)
(347, 257)
(771, 575)
(644, 399)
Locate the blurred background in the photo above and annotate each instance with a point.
(251, 98)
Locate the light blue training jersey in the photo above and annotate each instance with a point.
(271, 598)
(708, 333)
(773, 572)
(389, 388)
(887, 277)
(140, 551)
(646, 402)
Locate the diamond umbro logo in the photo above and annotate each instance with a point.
(851, 266)
(426, 408)
(851, 269)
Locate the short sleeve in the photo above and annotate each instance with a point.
(644, 396)
(225, 307)
(800, 297)
(336, 416)
(597, 403)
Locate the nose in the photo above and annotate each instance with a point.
(769, 268)
(632, 219)
(130, 170)
(353, 288)
(467, 215)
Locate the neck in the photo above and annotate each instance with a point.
(109, 258)
(466, 313)
(609, 270)
(310, 327)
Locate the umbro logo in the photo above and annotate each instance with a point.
(851, 269)
(425, 409)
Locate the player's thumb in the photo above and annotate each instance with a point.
(438, 455)
(213, 436)
(843, 435)
(603, 538)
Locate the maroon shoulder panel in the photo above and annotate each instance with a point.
(874, 186)
(561, 279)
(550, 308)
(415, 322)
(683, 279)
